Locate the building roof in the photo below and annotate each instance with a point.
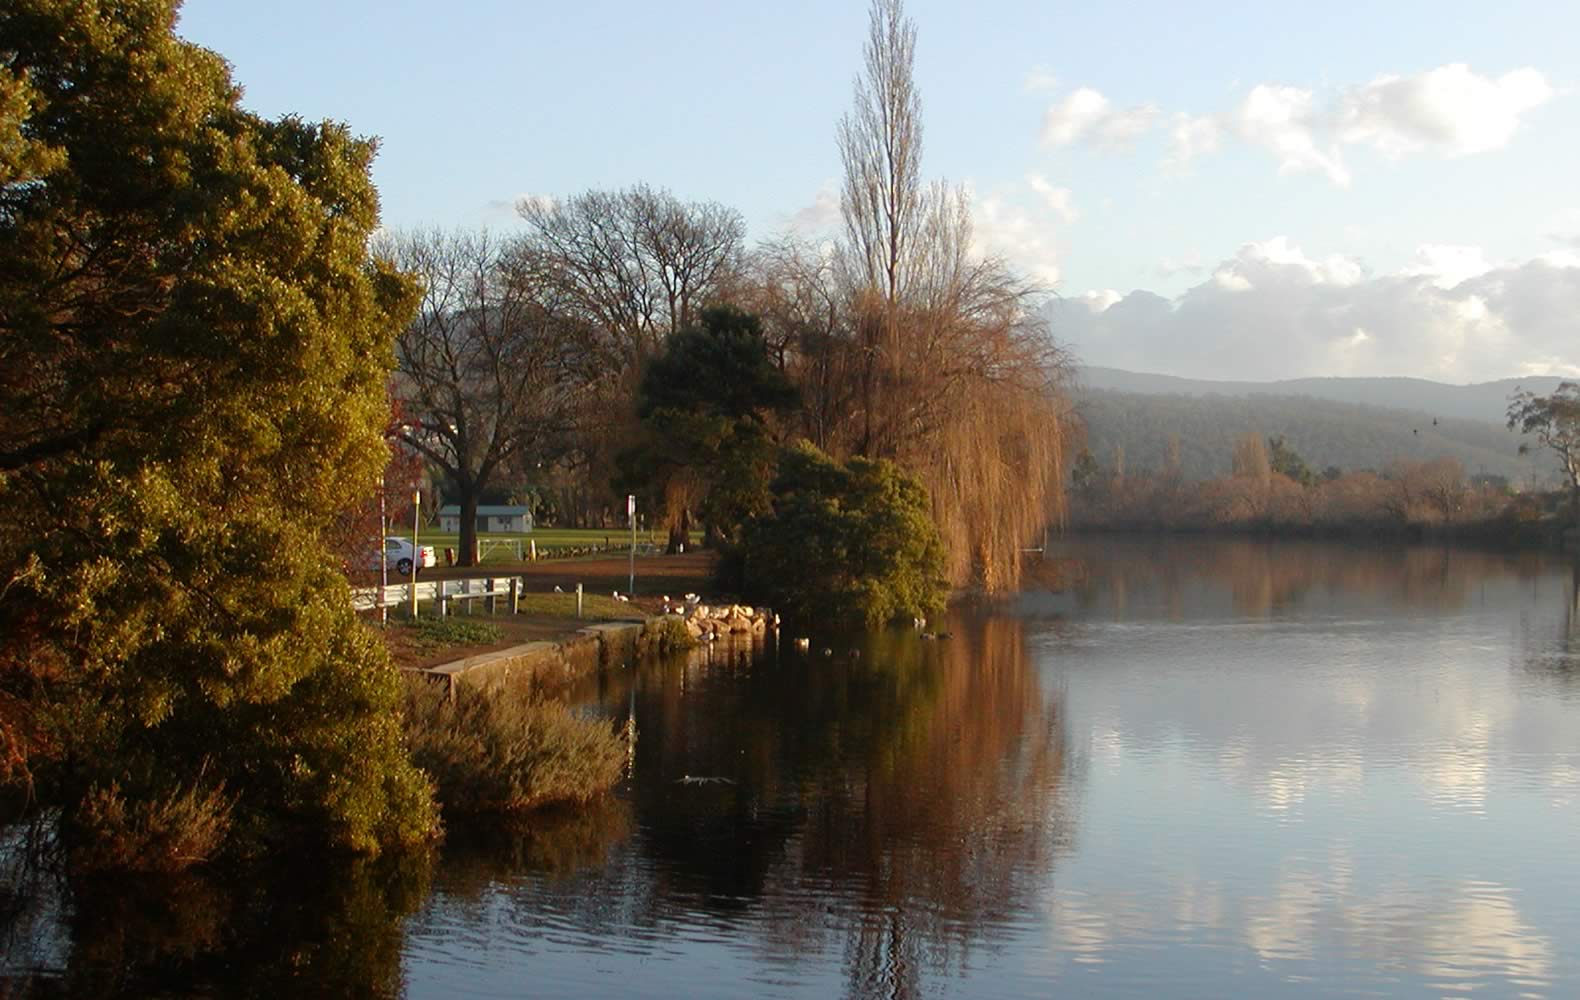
(488, 511)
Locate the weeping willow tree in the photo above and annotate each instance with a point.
(956, 376)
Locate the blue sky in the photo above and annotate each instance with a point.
(1349, 146)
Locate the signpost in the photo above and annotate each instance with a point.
(630, 513)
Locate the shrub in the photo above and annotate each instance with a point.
(107, 832)
(503, 752)
(844, 542)
(437, 633)
(667, 634)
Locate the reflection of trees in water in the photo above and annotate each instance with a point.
(330, 930)
(557, 844)
(1553, 654)
(943, 833)
(901, 804)
(1262, 577)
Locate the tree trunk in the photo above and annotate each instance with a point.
(467, 500)
(680, 531)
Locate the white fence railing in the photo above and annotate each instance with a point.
(494, 591)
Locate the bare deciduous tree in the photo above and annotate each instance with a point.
(490, 370)
(633, 266)
(636, 263)
(880, 142)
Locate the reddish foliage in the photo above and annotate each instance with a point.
(355, 537)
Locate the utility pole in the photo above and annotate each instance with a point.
(630, 513)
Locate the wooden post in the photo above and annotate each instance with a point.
(578, 600)
(534, 544)
(515, 595)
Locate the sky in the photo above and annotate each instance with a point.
(1217, 191)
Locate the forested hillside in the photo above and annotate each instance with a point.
(1479, 401)
(1324, 432)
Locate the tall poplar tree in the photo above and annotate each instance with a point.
(955, 375)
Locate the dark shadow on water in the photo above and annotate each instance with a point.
(303, 929)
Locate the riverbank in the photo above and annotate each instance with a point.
(546, 645)
(547, 603)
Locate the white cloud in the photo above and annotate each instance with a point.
(1040, 81)
(1087, 116)
(820, 215)
(1190, 264)
(1284, 120)
(1005, 230)
(543, 201)
(1448, 266)
(1098, 299)
(508, 209)
(1450, 110)
(1272, 311)
(1058, 199)
(1194, 136)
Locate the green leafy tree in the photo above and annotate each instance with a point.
(707, 406)
(194, 348)
(1555, 421)
(1086, 475)
(1287, 462)
(845, 542)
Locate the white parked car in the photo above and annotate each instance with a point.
(399, 555)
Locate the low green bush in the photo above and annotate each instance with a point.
(667, 634)
(850, 541)
(507, 752)
(438, 633)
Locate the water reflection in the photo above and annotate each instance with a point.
(887, 809)
(1354, 763)
(1209, 769)
(1186, 577)
(334, 930)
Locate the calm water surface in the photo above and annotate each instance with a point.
(1204, 769)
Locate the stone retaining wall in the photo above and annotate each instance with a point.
(606, 644)
(551, 663)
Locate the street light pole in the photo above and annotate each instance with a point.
(384, 559)
(416, 552)
(630, 512)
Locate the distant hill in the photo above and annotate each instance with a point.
(1324, 431)
(1481, 401)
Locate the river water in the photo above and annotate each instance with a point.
(1199, 769)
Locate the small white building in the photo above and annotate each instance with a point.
(501, 518)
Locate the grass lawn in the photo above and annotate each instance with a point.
(595, 607)
(546, 538)
(546, 615)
